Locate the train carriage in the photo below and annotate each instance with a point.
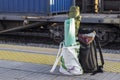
(47, 17)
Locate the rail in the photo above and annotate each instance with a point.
(22, 27)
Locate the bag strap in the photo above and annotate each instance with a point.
(57, 57)
(100, 51)
(99, 67)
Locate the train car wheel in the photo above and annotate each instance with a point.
(57, 32)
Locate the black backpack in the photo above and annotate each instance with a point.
(88, 55)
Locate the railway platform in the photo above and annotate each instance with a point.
(34, 63)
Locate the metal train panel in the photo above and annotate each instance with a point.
(40, 7)
(111, 5)
(60, 5)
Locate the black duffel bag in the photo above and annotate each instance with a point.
(88, 53)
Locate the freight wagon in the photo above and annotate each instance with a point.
(46, 17)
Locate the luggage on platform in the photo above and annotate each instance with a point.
(68, 51)
(88, 52)
(69, 32)
(74, 12)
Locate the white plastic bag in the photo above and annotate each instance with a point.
(57, 58)
(86, 38)
(69, 63)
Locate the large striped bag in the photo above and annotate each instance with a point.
(69, 63)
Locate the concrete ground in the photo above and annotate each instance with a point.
(34, 63)
(11, 70)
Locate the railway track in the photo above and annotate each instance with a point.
(45, 42)
(114, 46)
(28, 40)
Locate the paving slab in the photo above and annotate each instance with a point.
(30, 71)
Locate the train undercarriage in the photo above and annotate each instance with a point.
(106, 33)
(106, 27)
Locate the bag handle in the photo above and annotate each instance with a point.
(57, 58)
(99, 48)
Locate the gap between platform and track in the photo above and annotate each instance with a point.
(47, 56)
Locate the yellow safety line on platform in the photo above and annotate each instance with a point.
(112, 66)
(27, 57)
(47, 59)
